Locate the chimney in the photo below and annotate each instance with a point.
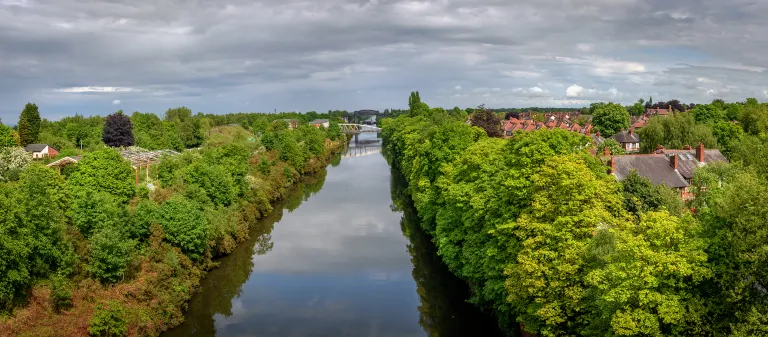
(700, 153)
(598, 134)
(659, 149)
(687, 147)
(607, 151)
(612, 162)
(630, 131)
(673, 161)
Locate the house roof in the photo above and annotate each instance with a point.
(687, 162)
(597, 139)
(319, 121)
(626, 137)
(654, 167)
(658, 167)
(659, 111)
(36, 147)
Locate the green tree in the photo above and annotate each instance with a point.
(184, 225)
(93, 211)
(707, 113)
(144, 215)
(570, 202)
(6, 137)
(43, 201)
(415, 106)
(214, 180)
(610, 118)
(334, 131)
(647, 284)
(29, 124)
(637, 109)
(111, 251)
(15, 273)
(104, 170)
(754, 119)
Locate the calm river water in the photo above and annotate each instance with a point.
(342, 256)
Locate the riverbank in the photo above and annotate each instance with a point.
(167, 265)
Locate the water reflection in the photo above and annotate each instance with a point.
(443, 310)
(336, 264)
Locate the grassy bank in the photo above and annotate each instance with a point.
(127, 259)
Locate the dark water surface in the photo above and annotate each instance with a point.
(342, 256)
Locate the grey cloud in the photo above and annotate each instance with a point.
(215, 56)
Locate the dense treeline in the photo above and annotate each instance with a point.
(550, 241)
(125, 258)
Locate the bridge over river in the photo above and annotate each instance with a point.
(358, 128)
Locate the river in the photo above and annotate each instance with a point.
(343, 255)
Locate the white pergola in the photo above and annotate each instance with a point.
(146, 159)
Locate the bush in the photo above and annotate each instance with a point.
(104, 171)
(108, 321)
(93, 211)
(216, 182)
(110, 254)
(144, 215)
(61, 293)
(184, 226)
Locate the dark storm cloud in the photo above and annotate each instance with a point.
(222, 56)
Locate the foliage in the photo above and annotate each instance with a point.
(612, 145)
(29, 125)
(15, 273)
(637, 109)
(13, 160)
(118, 130)
(610, 118)
(189, 129)
(93, 211)
(415, 106)
(108, 321)
(675, 132)
(104, 170)
(61, 293)
(184, 225)
(334, 131)
(754, 118)
(6, 137)
(486, 120)
(144, 215)
(111, 251)
(214, 180)
(641, 196)
(646, 284)
(707, 113)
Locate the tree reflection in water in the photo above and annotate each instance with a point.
(224, 283)
(444, 311)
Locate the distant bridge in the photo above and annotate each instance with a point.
(358, 128)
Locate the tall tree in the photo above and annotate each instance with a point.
(487, 120)
(29, 124)
(118, 130)
(610, 118)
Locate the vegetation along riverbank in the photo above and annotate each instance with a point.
(111, 238)
(539, 227)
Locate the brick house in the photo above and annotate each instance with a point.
(40, 151)
(673, 168)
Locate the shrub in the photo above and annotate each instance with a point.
(184, 226)
(93, 211)
(216, 182)
(61, 293)
(144, 215)
(110, 254)
(104, 171)
(108, 321)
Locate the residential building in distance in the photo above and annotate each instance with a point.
(673, 168)
(40, 151)
(629, 140)
(292, 123)
(325, 123)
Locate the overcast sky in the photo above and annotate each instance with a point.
(95, 57)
